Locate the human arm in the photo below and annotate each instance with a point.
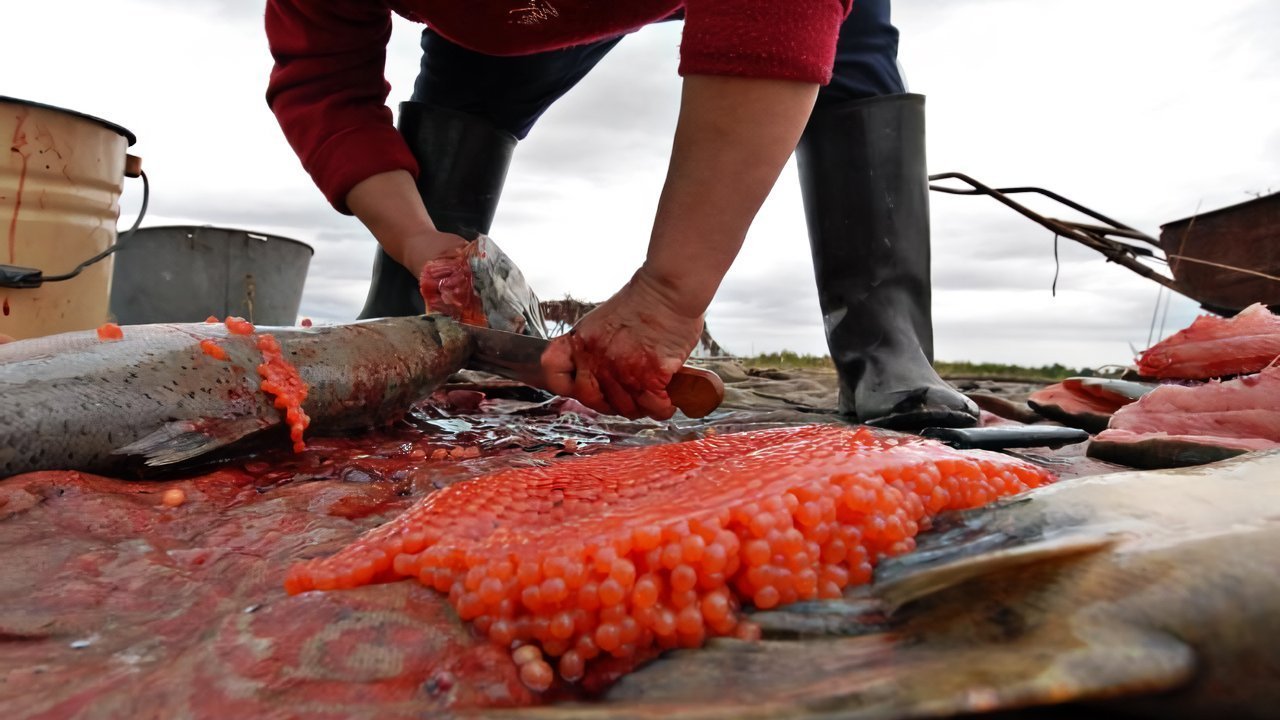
(389, 205)
(328, 92)
(733, 137)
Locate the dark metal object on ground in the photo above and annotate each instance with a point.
(1226, 259)
(1000, 437)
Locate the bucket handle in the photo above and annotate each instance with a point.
(22, 278)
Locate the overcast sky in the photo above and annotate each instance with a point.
(1147, 110)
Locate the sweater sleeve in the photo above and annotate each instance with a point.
(781, 39)
(328, 91)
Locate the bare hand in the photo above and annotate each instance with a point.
(621, 356)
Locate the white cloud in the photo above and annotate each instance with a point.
(1147, 110)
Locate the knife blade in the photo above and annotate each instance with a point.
(696, 392)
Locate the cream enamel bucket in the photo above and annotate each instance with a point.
(60, 185)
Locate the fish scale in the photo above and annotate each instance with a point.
(75, 402)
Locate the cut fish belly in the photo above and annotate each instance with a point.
(1074, 407)
(1176, 425)
(1213, 347)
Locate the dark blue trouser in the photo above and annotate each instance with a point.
(513, 92)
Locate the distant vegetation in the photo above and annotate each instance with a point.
(788, 359)
(994, 370)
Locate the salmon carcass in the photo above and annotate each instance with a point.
(164, 394)
(1214, 347)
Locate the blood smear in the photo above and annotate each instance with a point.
(622, 555)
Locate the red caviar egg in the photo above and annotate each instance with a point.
(447, 285)
(110, 332)
(239, 326)
(211, 348)
(624, 554)
(281, 379)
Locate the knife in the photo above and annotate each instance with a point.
(999, 437)
(696, 392)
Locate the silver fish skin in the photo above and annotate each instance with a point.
(75, 402)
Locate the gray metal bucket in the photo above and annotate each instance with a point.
(186, 273)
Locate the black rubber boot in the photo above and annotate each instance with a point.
(464, 161)
(866, 199)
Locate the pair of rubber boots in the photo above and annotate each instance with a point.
(865, 190)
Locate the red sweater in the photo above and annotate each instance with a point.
(329, 94)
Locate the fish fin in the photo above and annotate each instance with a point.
(914, 583)
(181, 440)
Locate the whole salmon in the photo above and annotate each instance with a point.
(158, 396)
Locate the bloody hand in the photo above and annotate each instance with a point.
(621, 356)
(448, 287)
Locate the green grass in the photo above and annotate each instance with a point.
(787, 359)
(993, 370)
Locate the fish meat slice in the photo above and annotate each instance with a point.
(1178, 425)
(1073, 406)
(1214, 347)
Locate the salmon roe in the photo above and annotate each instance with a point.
(281, 379)
(173, 497)
(110, 332)
(447, 285)
(624, 554)
(213, 349)
(239, 326)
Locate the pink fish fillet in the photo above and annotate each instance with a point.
(1245, 410)
(1216, 347)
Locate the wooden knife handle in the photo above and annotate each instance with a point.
(695, 391)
